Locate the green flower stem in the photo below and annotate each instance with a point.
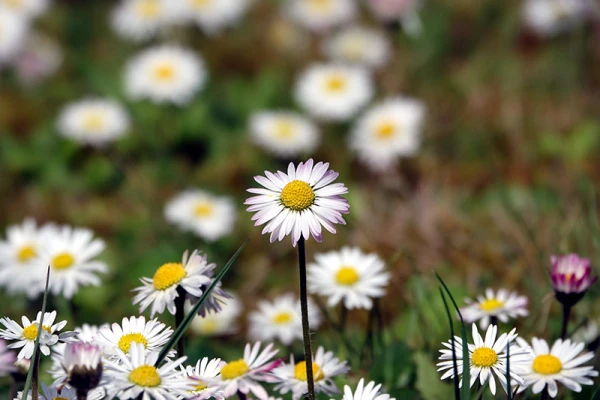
(565, 321)
(179, 316)
(305, 327)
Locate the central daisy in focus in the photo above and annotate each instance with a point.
(299, 202)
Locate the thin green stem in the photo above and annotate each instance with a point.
(35, 364)
(565, 321)
(179, 316)
(305, 326)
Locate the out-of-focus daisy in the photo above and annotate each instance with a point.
(208, 216)
(244, 374)
(487, 358)
(87, 333)
(7, 359)
(142, 19)
(165, 74)
(348, 275)
(284, 133)
(369, 392)
(387, 131)
(550, 17)
(571, 277)
(13, 30)
(212, 16)
(52, 393)
(134, 374)
(220, 323)
(562, 363)
(205, 376)
(152, 335)
(502, 305)
(588, 333)
(39, 58)
(321, 15)
(292, 376)
(333, 91)
(298, 202)
(358, 45)
(281, 319)
(403, 11)
(24, 8)
(93, 121)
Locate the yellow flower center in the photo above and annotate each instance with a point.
(25, 253)
(297, 195)
(209, 325)
(484, 357)
(490, 305)
(63, 261)
(234, 369)
(200, 386)
(320, 5)
(145, 375)
(200, 3)
(13, 3)
(282, 318)
(93, 121)
(31, 332)
(300, 371)
(346, 276)
(385, 130)
(335, 84)
(167, 275)
(126, 340)
(164, 73)
(547, 364)
(284, 129)
(60, 398)
(148, 8)
(203, 209)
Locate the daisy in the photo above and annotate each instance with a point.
(551, 17)
(298, 202)
(87, 333)
(24, 8)
(387, 131)
(139, 20)
(348, 275)
(486, 358)
(358, 45)
(152, 335)
(571, 275)
(562, 363)
(403, 11)
(13, 31)
(7, 359)
(244, 374)
(165, 74)
(38, 59)
(93, 121)
(502, 306)
(205, 376)
(369, 392)
(321, 15)
(220, 323)
(284, 133)
(333, 91)
(206, 215)
(134, 374)
(52, 393)
(292, 376)
(212, 16)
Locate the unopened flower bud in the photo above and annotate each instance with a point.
(82, 363)
(571, 278)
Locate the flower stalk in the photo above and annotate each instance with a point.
(305, 324)
(179, 316)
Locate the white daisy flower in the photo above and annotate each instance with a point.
(387, 131)
(25, 335)
(7, 359)
(562, 363)
(487, 358)
(139, 20)
(165, 74)
(284, 133)
(369, 392)
(348, 275)
(39, 58)
(52, 393)
(298, 202)
(321, 15)
(333, 92)
(292, 376)
(358, 45)
(502, 306)
(220, 323)
(206, 215)
(153, 335)
(244, 374)
(13, 31)
(281, 319)
(551, 17)
(87, 333)
(205, 377)
(588, 333)
(212, 16)
(24, 8)
(134, 374)
(93, 121)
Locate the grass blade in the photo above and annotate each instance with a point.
(454, 364)
(596, 395)
(178, 334)
(508, 388)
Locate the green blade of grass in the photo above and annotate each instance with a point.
(454, 364)
(178, 334)
(508, 389)
(596, 395)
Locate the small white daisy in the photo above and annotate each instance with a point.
(7, 359)
(212, 16)
(39, 58)
(244, 374)
(93, 121)
(284, 133)
(358, 45)
(281, 319)
(142, 19)
(387, 131)
(292, 376)
(152, 335)
(134, 374)
(87, 333)
(321, 15)
(333, 92)
(13, 31)
(551, 17)
(369, 392)
(205, 377)
(298, 202)
(219, 323)
(502, 305)
(25, 8)
(208, 216)
(487, 358)
(52, 393)
(165, 74)
(562, 363)
(348, 275)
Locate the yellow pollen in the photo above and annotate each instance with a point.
(25, 253)
(93, 121)
(234, 369)
(62, 261)
(145, 375)
(547, 364)
(13, 3)
(208, 326)
(320, 5)
(148, 8)
(203, 209)
(297, 195)
(60, 398)
(200, 386)
(168, 275)
(568, 277)
(300, 371)
(31, 332)
(490, 305)
(335, 84)
(484, 357)
(385, 130)
(200, 3)
(284, 129)
(164, 73)
(282, 318)
(346, 276)
(126, 340)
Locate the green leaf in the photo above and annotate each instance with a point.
(428, 383)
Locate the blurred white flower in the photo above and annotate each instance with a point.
(25, 8)
(284, 133)
(139, 20)
(333, 91)
(152, 335)
(7, 359)
(13, 31)
(369, 392)
(358, 45)
(502, 305)
(220, 323)
(165, 74)
(39, 58)
(321, 15)
(550, 17)
(212, 16)
(587, 333)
